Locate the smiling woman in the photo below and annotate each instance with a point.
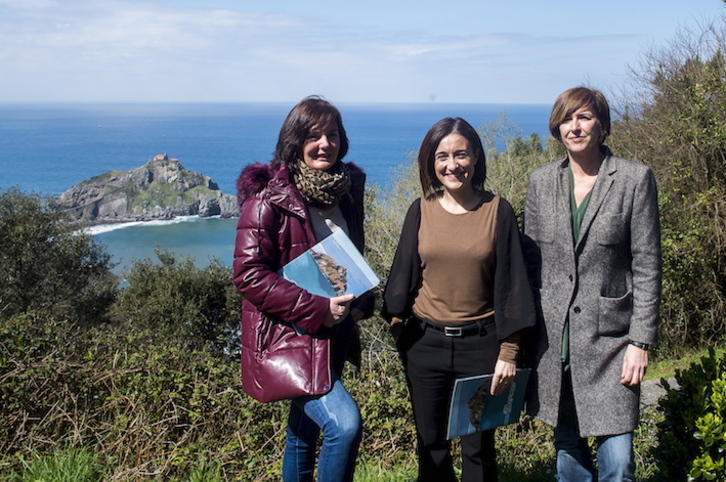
(294, 342)
(457, 295)
(321, 148)
(454, 166)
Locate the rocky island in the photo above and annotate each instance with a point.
(160, 189)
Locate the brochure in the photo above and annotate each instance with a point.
(473, 408)
(333, 267)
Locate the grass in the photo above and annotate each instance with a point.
(371, 470)
(65, 465)
(666, 368)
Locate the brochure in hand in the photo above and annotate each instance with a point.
(474, 409)
(333, 267)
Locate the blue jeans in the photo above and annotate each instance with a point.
(615, 460)
(337, 415)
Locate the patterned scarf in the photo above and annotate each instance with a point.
(322, 189)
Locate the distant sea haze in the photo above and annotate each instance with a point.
(49, 148)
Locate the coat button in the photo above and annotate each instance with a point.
(577, 309)
(570, 277)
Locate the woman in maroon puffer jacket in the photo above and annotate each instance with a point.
(286, 207)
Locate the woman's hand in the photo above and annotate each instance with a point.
(634, 365)
(396, 327)
(338, 310)
(503, 375)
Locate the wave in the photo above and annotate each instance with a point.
(106, 228)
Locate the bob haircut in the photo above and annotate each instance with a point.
(430, 184)
(310, 112)
(576, 98)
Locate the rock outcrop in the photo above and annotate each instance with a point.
(160, 189)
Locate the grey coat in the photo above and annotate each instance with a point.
(608, 283)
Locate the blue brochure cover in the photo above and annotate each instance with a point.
(473, 408)
(333, 267)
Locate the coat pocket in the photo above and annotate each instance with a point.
(615, 314)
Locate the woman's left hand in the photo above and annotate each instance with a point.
(503, 375)
(634, 365)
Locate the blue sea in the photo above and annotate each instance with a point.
(49, 148)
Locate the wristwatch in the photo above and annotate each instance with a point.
(642, 346)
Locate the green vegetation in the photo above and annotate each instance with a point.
(692, 434)
(46, 266)
(174, 298)
(140, 381)
(674, 121)
(64, 465)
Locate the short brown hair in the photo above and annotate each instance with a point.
(310, 112)
(576, 98)
(430, 184)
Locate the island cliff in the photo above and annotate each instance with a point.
(160, 189)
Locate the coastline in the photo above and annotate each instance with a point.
(107, 228)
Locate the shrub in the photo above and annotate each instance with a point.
(146, 405)
(692, 435)
(174, 298)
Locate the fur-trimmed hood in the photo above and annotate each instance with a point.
(255, 177)
(252, 179)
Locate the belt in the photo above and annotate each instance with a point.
(459, 331)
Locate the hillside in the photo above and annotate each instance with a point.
(160, 189)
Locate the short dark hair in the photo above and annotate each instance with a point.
(576, 98)
(430, 184)
(310, 112)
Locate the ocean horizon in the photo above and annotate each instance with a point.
(48, 148)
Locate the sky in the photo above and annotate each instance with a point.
(360, 51)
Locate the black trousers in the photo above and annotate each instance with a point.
(433, 361)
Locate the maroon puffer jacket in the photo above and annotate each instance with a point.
(274, 229)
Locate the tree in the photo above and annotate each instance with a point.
(673, 119)
(47, 265)
(508, 171)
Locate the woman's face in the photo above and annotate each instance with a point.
(320, 149)
(581, 132)
(454, 163)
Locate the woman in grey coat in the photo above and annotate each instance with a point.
(593, 220)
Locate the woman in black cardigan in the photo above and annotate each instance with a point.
(457, 295)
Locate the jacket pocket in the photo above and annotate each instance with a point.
(615, 314)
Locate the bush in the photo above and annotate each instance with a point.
(146, 405)
(174, 298)
(692, 435)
